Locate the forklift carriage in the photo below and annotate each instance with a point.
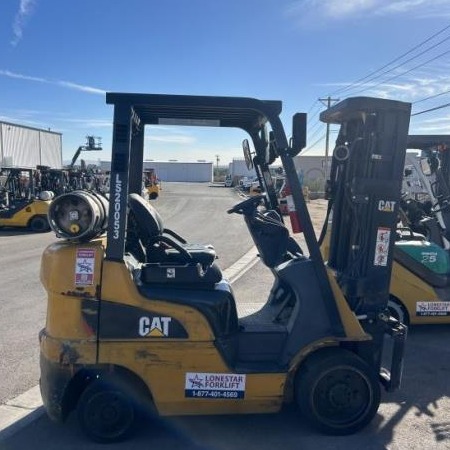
(141, 318)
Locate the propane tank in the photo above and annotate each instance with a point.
(78, 215)
(46, 195)
(295, 224)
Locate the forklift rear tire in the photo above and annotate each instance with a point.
(39, 224)
(398, 311)
(337, 392)
(105, 413)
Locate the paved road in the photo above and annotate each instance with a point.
(416, 417)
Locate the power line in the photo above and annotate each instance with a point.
(432, 109)
(403, 73)
(407, 61)
(391, 62)
(310, 147)
(430, 97)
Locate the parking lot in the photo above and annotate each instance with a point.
(416, 417)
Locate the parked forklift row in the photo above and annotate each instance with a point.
(26, 193)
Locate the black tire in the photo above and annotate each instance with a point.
(337, 392)
(398, 311)
(39, 224)
(105, 413)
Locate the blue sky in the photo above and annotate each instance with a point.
(58, 58)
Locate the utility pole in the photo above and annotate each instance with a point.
(327, 102)
(217, 166)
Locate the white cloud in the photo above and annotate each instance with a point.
(89, 123)
(65, 84)
(25, 10)
(318, 12)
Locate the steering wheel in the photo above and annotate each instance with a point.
(247, 205)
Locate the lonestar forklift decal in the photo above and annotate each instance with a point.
(433, 308)
(126, 322)
(84, 267)
(215, 385)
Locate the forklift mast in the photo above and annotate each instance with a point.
(364, 190)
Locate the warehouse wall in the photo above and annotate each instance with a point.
(182, 171)
(28, 147)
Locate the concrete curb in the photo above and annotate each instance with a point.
(18, 412)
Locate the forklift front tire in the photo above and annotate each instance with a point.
(398, 311)
(337, 392)
(105, 413)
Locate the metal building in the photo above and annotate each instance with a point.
(238, 169)
(23, 146)
(200, 171)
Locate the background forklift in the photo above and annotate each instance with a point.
(420, 281)
(142, 318)
(151, 184)
(22, 204)
(420, 286)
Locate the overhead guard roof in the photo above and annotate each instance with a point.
(239, 112)
(424, 141)
(355, 107)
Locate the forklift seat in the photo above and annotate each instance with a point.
(270, 236)
(164, 246)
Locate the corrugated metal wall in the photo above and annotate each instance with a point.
(51, 153)
(29, 147)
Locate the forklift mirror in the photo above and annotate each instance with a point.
(247, 154)
(298, 134)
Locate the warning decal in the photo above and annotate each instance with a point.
(382, 246)
(433, 308)
(84, 267)
(214, 385)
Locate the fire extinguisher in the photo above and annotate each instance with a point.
(295, 223)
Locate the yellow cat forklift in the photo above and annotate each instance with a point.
(22, 205)
(152, 184)
(139, 319)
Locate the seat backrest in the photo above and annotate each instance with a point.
(270, 236)
(148, 220)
